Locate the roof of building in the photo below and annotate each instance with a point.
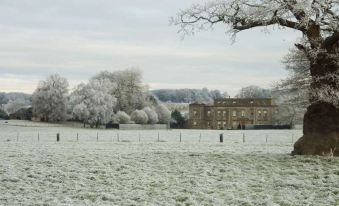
(195, 103)
(241, 102)
(248, 102)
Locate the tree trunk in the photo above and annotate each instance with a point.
(321, 131)
(321, 121)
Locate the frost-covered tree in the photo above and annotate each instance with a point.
(3, 99)
(49, 101)
(14, 101)
(152, 115)
(92, 103)
(296, 87)
(187, 95)
(80, 112)
(318, 21)
(292, 93)
(139, 117)
(253, 92)
(121, 117)
(14, 105)
(164, 115)
(127, 87)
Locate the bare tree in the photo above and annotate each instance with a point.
(318, 21)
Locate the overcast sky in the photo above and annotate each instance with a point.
(78, 38)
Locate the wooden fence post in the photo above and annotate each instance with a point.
(221, 138)
(180, 136)
(58, 137)
(243, 138)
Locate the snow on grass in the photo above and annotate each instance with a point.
(168, 172)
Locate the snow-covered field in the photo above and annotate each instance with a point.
(110, 167)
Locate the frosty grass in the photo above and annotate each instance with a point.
(99, 170)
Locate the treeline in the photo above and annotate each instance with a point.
(12, 102)
(188, 95)
(108, 97)
(121, 97)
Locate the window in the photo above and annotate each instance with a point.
(208, 124)
(195, 123)
(234, 102)
(219, 113)
(252, 102)
(234, 113)
(242, 113)
(225, 124)
(265, 113)
(219, 124)
(259, 112)
(208, 113)
(195, 113)
(224, 113)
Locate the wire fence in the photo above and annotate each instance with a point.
(39, 134)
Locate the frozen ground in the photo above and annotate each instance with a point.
(197, 171)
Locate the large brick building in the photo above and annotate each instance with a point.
(232, 113)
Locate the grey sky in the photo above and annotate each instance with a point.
(78, 38)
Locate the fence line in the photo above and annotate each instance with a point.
(254, 137)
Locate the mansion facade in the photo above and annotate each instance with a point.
(232, 113)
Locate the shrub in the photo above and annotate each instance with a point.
(152, 115)
(139, 117)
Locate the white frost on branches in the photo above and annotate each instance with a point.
(164, 114)
(121, 118)
(152, 115)
(14, 105)
(139, 117)
(49, 101)
(127, 87)
(317, 20)
(253, 92)
(92, 103)
(326, 93)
